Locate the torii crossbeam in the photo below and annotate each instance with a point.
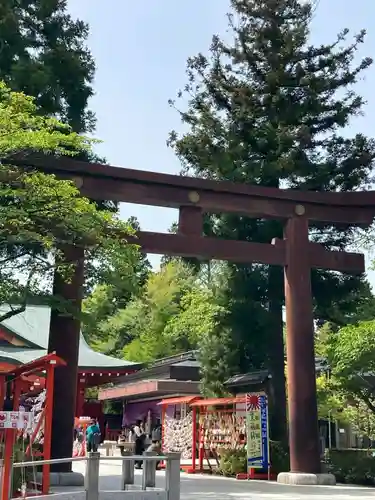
(194, 197)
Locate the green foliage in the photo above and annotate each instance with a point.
(330, 401)
(351, 466)
(279, 457)
(216, 353)
(361, 418)
(113, 407)
(118, 329)
(161, 301)
(352, 350)
(44, 54)
(133, 325)
(200, 321)
(113, 281)
(346, 391)
(174, 312)
(113, 272)
(22, 130)
(96, 307)
(351, 355)
(199, 315)
(41, 214)
(233, 462)
(268, 108)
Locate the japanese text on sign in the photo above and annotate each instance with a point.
(257, 430)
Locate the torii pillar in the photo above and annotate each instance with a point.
(64, 337)
(304, 443)
(303, 414)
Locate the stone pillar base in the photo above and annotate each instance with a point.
(63, 478)
(306, 479)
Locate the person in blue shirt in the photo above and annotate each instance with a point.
(92, 436)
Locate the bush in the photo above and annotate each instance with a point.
(348, 466)
(233, 462)
(279, 457)
(351, 466)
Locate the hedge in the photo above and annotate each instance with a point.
(351, 466)
(348, 466)
(233, 462)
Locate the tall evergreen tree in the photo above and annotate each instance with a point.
(268, 108)
(44, 54)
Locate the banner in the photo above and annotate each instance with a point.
(15, 420)
(257, 431)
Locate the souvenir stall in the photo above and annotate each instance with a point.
(26, 435)
(221, 426)
(179, 428)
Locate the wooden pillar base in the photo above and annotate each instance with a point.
(296, 478)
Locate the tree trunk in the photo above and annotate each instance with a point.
(278, 427)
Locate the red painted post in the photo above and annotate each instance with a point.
(7, 464)
(163, 415)
(303, 414)
(194, 437)
(50, 376)
(201, 441)
(2, 391)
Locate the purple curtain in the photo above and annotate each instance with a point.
(138, 411)
(170, 411)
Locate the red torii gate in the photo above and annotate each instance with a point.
(194, 197)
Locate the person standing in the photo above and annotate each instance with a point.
(121, 442)
(139, 439)
(92, 436)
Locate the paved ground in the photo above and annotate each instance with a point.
(200, 487)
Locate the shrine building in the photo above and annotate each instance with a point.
(175, 378)
(166, 388)
(24, 338)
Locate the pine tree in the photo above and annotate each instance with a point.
(270, 109)
(44, 54)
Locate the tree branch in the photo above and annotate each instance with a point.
(12, 312)
(22, 308)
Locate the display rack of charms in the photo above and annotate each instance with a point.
(222, 426)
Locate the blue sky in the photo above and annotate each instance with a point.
(141, 49)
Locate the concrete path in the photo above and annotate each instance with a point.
(201, 487)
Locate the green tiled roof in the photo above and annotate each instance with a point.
(20, 355)
(32, 326)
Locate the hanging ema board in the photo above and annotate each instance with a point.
(257, 431)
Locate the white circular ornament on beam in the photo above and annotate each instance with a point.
(300, 210)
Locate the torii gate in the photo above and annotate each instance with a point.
(193, 197)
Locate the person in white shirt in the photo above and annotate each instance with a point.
(139, 438)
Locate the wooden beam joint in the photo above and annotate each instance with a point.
(336, 260)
